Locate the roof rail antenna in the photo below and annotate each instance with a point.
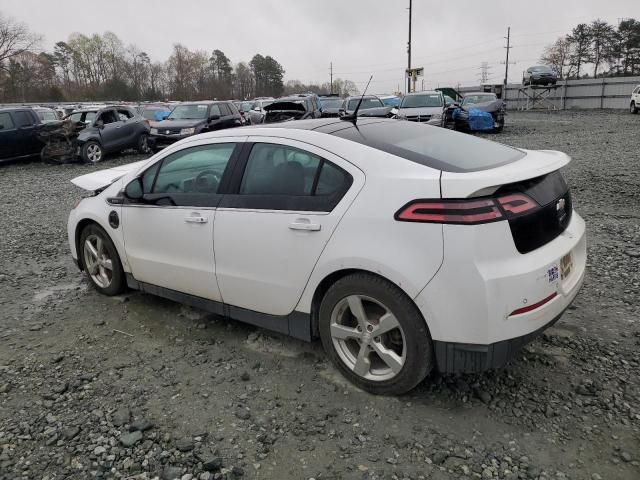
(354, 116)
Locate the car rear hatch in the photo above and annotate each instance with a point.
(530, 193)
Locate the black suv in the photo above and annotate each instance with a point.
(19, 133)
(191, 118)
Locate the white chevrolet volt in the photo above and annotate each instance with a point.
(403, 247)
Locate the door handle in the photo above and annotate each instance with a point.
(196, 219)
(304, 224)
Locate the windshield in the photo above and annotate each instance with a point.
(152, 114)
(366, 103)
(541, 68)
(47, 116)
(434, 147)
(189, 112)
(471, 99)
(245, 106)
(422, 101)
(331, 102)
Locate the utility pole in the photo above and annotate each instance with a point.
(506, 63)
(331, 77)
(409, 50)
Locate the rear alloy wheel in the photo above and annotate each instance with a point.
(375, 335)
(92, 152)
(101, 261)
(143, 144)
(634, 108)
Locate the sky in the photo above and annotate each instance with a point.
(360, 37)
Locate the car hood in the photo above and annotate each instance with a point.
(288, 106)
(420, 110)
(103, 178)
(179, 123)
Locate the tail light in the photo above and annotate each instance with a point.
(470, 211)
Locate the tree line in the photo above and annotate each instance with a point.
(596, 49)
(102, 67)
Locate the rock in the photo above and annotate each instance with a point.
(58, 358)
(130, 439)
(61, 388)
(243, 414)
(185, 444)
(186, 476)
(142, 425)
(171, 473)
(99, 450)
(121, 416)
(245, 377)
(237, 471)
(625, 456)
(439, 457)
(5, 388)
(212, 465)
(70, 432)
(485, 397)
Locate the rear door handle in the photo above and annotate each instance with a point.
(196, 219)
(304, 224)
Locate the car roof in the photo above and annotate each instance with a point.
(12, 109)
(477, 93)
(204, 102)
(423, 92)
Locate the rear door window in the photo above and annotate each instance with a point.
(6, 123)
(215, 110)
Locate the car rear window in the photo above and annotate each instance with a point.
(432, 146)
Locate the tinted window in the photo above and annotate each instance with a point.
(224, 109)
(279, 170)
(189, 112)
(148, 178)
(234, 108)
(5, 121)
(432, 146)
(23, 119)
(124, 114)
(47, 115)
(215, 110)
(196, 170)
(332, 180)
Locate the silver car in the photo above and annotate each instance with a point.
(424, 107)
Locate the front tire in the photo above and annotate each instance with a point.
(633, 108)
(100, 261)
(375, 335)
(92, 152)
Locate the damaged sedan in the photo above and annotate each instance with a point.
(298, 107)
(478, 112)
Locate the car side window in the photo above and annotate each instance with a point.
(6, 123)
(215, 110)
(196, 170)
(279, 170)
(124, 115)
(331, 180)
(23, 119)
(108, 116)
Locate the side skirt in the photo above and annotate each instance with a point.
(296, 324)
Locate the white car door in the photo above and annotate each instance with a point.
(269, 234)
(168, 235)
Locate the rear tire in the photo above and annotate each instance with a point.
(633, 108)
(143, 144)
(375, 335)
(92, 152)
(100, 261)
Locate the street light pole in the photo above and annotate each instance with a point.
(409, 50)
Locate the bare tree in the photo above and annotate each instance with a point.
(15, 38)
(558, 56)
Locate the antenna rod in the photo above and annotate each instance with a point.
(409, 50)
(331, 77)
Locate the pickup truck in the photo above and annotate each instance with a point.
(19, 133)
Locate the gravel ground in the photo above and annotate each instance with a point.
(140, 387)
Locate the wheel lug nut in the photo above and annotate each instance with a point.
(377, 339)
(359, 328)
(369, 328)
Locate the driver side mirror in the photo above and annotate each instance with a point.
(134, 189)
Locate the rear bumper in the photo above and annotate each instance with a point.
(475, 302)
(470, 358)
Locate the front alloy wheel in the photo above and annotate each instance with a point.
(92, 152)
(100, 260)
